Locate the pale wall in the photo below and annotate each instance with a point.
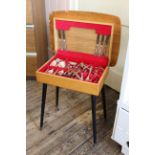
(121, 9)
(50, 6)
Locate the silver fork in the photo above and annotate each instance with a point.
(90, 70)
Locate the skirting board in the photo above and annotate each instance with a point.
(114, 80)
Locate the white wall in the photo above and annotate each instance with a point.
(121, 9)
(53, 5)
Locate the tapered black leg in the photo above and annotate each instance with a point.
(44, 90)
(93, 100)
(104, 102)
(57, 98)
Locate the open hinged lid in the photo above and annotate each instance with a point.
(86, 32)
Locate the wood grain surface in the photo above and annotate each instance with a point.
(73, 84)
(36, 36)
(29, 16)
(40, 31)
(69, 130)
(79, 39)
(31, 65)
(30, 40)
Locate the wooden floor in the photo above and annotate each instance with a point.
(69, 130)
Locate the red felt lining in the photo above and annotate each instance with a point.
(96, 61)
(100, 29)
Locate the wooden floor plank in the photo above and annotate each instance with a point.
(69, 130)
(58, 137)
(102, 128)
(62, 120)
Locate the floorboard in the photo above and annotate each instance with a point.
(68, 131)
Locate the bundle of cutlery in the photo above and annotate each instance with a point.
(101, 45)
(72, 69)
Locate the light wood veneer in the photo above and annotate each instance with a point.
(36, 36)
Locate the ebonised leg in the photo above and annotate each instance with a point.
(57, 98)
(44, 90)
(93, 100)
(104, 102)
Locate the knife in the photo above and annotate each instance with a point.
(64, 40)
(101, 45)
(97, 44)
(60, 39)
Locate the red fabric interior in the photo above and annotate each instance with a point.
(95, 64)
(89, 59)
(100, 29)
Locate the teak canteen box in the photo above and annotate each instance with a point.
(85, 44)
(75, 36)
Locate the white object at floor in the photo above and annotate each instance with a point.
(121, 126)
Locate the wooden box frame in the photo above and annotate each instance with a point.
(73, 84)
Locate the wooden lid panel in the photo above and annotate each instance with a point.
(82, 37)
